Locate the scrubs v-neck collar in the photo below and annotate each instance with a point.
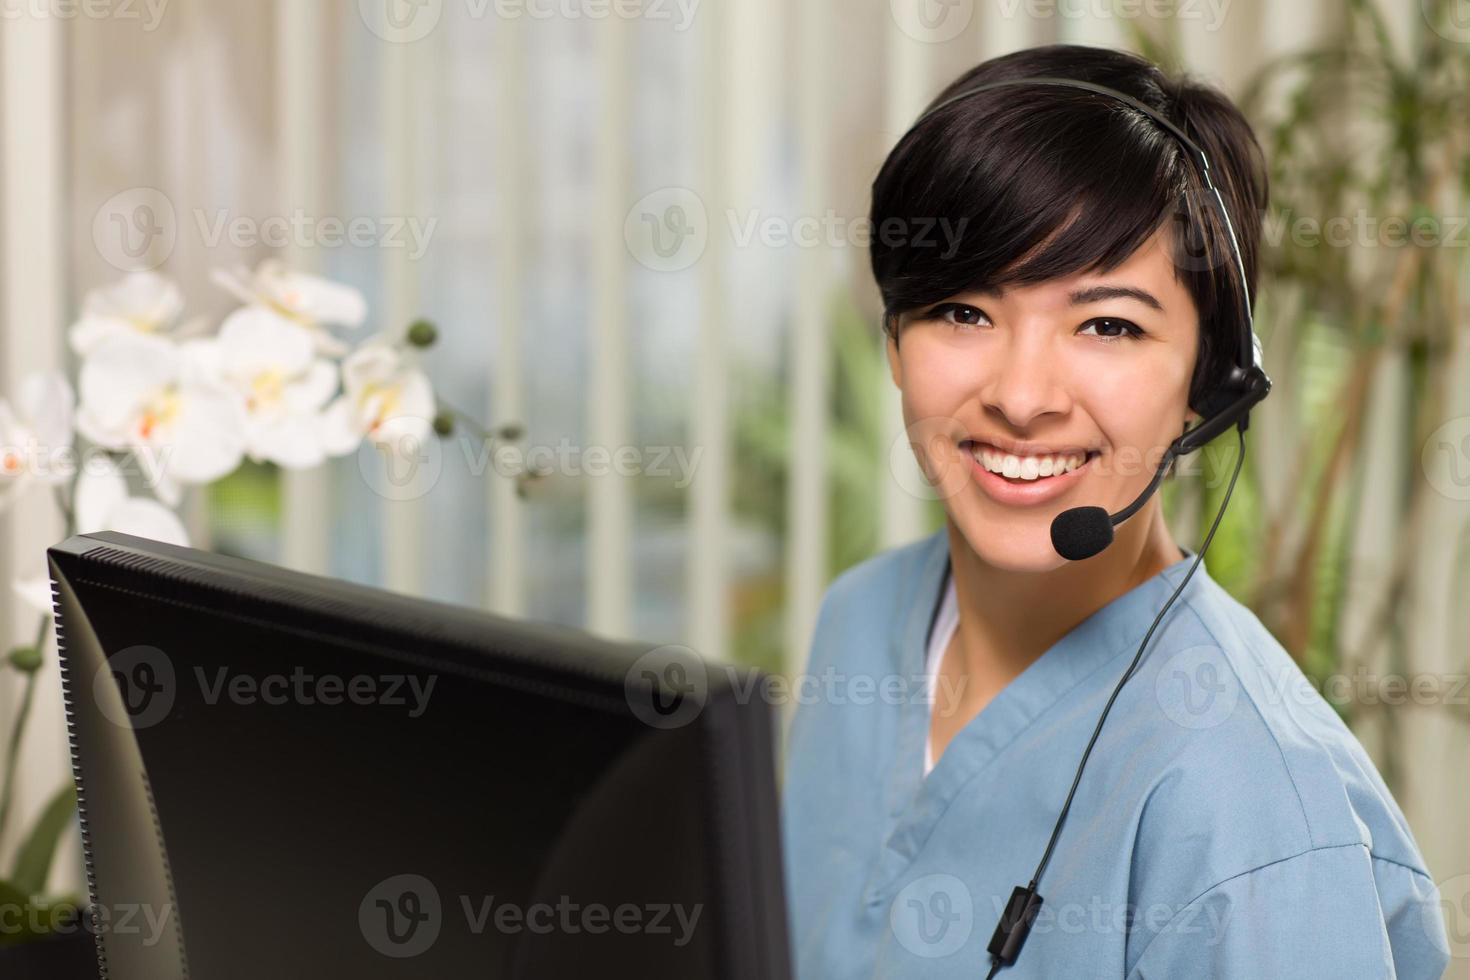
(916, 801)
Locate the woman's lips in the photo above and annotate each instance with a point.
(1024, 493)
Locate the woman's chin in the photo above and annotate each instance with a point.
(1012, 548)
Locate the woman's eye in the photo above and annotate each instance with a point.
(959, 314)
(1105, 326)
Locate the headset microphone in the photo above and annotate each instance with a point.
(1081, 532)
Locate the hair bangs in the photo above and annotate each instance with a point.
(1028, 206)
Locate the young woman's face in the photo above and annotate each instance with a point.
(1093, 366)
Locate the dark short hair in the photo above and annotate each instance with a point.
(1051, 181)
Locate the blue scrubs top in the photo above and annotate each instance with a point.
(1227, 825)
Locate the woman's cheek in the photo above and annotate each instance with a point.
(935, 439)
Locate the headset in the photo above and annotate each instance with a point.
(1081, 532)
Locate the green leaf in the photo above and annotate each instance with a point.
(33, 861)
(11, 896)
(15, 903)
(12, 901)
(27, 919)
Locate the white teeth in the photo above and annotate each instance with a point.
(1027, 467)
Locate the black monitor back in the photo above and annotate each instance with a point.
(283, 775)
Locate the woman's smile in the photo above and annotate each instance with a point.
(1021, 481)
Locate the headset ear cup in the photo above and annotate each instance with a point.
(1225, 392)
(1215, 400)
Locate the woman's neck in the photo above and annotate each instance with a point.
(1008, 619)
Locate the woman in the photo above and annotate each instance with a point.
(1226, 824)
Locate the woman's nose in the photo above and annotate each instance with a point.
(1025, 382)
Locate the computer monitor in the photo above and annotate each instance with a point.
(283, 775)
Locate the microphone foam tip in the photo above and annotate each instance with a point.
(1081, 532)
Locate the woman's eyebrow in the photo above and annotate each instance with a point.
(1093, 294)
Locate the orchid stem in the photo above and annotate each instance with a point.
(468, 420)
(66, 508)
(12, 752)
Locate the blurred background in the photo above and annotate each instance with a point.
(639, 230)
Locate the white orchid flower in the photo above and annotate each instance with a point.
(102, 503)
(35, 441)
(143, 393)
(309, 300)
(140, 302)
(271, 362)
(381, 387)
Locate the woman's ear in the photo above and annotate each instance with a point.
(895, 366)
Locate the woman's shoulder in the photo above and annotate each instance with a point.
(1240, 781)
(1251, 765)
(885, 572)
(875, 596)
